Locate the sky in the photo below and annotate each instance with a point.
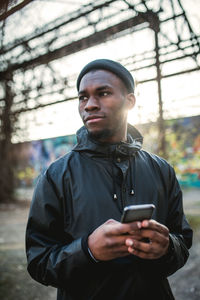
(181, 95)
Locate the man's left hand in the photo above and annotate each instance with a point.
(158, 236)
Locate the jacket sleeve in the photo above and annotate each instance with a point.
(180, 233)
(53, 255)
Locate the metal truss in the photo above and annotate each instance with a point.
(94, 23)
(101, 20)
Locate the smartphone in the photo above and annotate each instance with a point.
(141, 212)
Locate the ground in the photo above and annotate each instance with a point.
(15, 283)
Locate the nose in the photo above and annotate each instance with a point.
(92, 104)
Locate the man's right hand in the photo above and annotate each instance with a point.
(108, 240)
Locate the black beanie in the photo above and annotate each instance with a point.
(112, 66)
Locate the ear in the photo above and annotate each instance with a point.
(131, 100)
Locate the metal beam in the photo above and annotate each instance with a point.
(14, 9)
(54, 25)
(23, 110)
(169, 75)
(161, 124)
(92, 40)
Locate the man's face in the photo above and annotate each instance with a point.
(103, 105)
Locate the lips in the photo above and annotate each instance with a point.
(93, 119)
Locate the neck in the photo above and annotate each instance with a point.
(108, 137)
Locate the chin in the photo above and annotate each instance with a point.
(100, 134)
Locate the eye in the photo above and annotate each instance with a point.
(83, 98)
(104, 93)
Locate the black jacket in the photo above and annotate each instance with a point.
(75, 195)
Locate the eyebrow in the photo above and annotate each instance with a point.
(100, 88)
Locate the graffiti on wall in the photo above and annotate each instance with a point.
(183, 140)
(183, 148)
(34, 157)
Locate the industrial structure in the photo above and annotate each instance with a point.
(93, 23)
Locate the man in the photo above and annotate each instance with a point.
(75, 240)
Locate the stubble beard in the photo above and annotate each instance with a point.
(102, 135)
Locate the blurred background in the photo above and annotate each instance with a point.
(43, 46)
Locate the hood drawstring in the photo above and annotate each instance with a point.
(113, 176)
(131, 178)
(132, 192)
(93, 148)
(114, 182)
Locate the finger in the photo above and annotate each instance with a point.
(153, 253)
(129, 242)
(115, 242)
(119, 228)
(152, 224)
(140, 246)
(135, 236)
(155, 248)
(145, 254)
(111, 221)
(142, 254)
(154, 236)
(129, 239)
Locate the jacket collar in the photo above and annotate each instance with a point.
(86, 144)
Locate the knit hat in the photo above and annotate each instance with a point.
(112, 66)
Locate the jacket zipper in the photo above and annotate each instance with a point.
(123, 200)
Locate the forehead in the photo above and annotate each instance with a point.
(97, 78)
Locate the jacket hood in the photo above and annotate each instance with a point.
(133, 144)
